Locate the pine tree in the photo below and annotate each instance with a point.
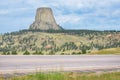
(83, 51)
(26, 53)
(14, 52)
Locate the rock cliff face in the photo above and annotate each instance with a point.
(44, 20)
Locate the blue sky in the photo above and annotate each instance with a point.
(70, 14)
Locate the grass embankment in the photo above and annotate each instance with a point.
(70, 76)
(107, 51)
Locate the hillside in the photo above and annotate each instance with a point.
(107, 51)
(58, 41)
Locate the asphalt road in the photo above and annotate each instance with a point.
(90, 63)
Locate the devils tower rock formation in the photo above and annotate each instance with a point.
(44, 20)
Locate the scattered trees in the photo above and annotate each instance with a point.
(10, 46)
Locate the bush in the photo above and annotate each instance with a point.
(83, 51)
(79, 53)
(26, 53)
(14, 52)
(51, 53)
(73, 53)
(38, 53)
(4, 53)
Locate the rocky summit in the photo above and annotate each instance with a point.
(44, 20)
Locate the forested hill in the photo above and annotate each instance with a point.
(58, 41)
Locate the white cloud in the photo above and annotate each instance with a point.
(13, 11)
(71, 18)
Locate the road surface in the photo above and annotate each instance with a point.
(21, 63)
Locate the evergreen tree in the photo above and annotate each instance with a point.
(51, 53)
(83, 51)
(14, 52)
(26, 53)
(40, 53)
(8, 53)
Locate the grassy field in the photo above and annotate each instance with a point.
(69, 76)
(107, 51)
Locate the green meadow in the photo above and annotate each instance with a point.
(68, 76)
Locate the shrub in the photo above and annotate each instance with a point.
(26, 53)
(14, 52)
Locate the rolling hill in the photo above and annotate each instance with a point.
(58, 41)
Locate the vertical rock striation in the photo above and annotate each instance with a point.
(44, 20)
